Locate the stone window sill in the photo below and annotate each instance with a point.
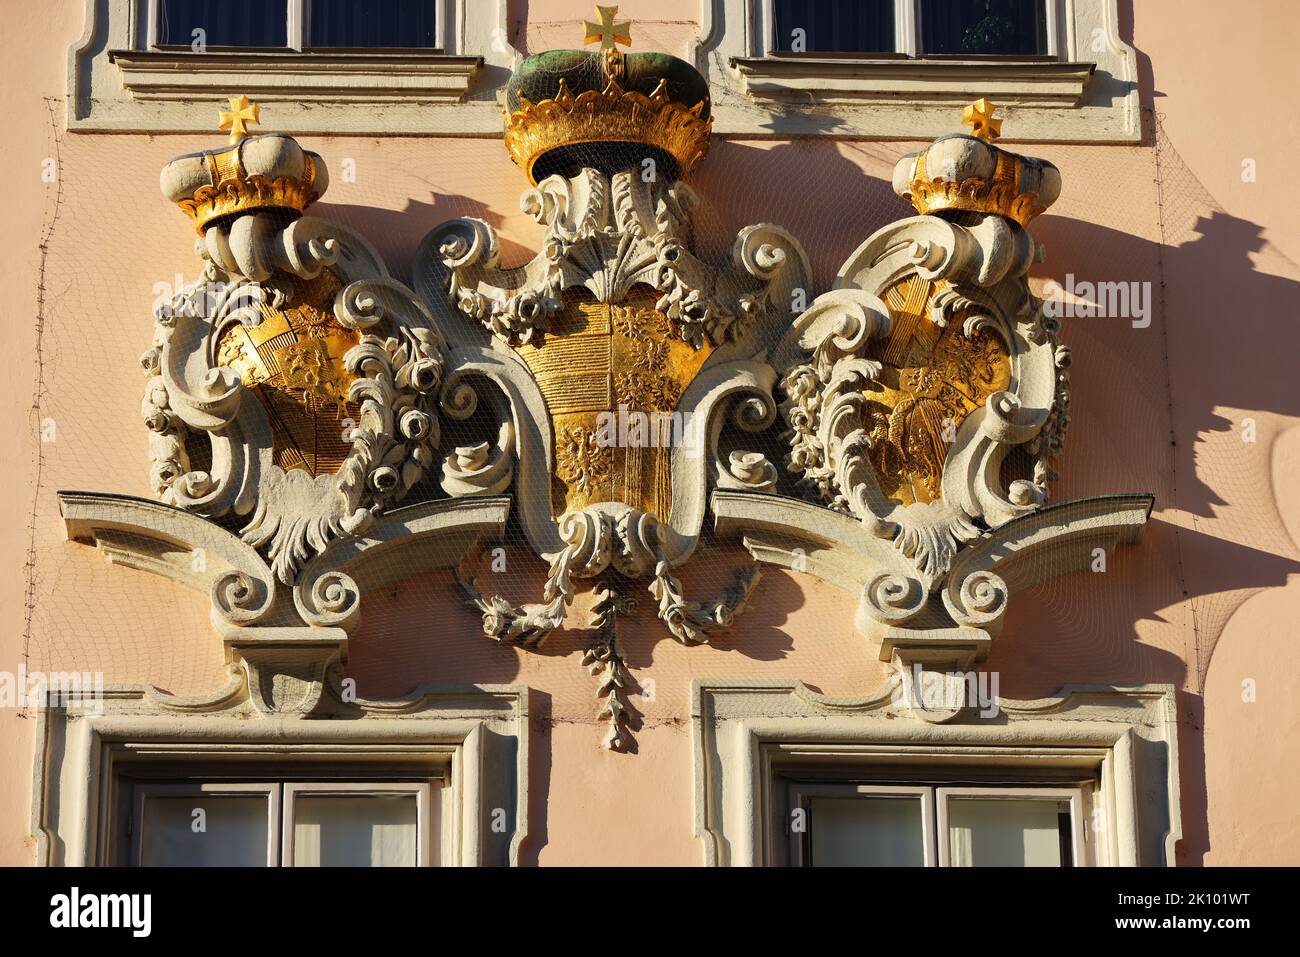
(897, 98)
(915, 82)
(310, 92)
(339, 77)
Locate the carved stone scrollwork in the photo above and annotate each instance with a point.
(349, 353)
(615, 261)
(906, 406)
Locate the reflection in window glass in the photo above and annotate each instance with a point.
(984, 832)
(372, 23)
(866, 832)
(231, 831)
(834, 26)
(224, 23)
(335, 830)
(976, 27)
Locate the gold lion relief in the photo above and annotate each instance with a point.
(623, 366)
(933, 378)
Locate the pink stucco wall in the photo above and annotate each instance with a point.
(1208, 600)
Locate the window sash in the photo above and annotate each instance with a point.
(1075, 797)
(907, 29)
(934, 798)
(424, 827)
(145, 791)
(299, 29)
(280, 796)
(802, 794)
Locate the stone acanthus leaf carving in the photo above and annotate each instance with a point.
(394, 371)
(839, 435)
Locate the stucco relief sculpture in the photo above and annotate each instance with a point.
(895, 437)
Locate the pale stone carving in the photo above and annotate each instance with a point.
(608, 235)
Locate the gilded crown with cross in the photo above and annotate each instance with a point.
(968, 173)
(263, 171)
(566, 109)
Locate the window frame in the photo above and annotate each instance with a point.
(908, 19)
(134, 853)
(933, 786)
(802, 792)
(750, 735)
(426, 821)
(1081, 848)
(1088, 92)
(198, 780)
(119, 81)
(298, 30)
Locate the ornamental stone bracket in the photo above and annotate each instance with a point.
(281, 641)
(943, 630)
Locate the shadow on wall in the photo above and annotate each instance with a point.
(397, 233)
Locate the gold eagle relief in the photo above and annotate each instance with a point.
(933, 377)
(611, 375)
(293, 362)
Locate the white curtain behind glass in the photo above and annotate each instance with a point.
(998, 833)
(355, 831)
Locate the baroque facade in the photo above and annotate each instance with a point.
(576, 446)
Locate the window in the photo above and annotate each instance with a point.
(963, 28)
(834, 824)
(833, 26)
(203, 25)
(374, 67)
(904, 69)
(309, 823)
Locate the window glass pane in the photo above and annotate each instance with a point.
(225, 23)
(1012, 27)
(231, 831)
(867, 832)
(834, 26)
(343, 830)
(372, 23)
(985, 832)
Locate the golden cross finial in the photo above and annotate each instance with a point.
(241, 113)
(979, 117)
(607, 31)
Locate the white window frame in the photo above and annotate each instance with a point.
(802, 793)
(427, 817)
(907, 27)
(147, 789)
(1076, 796)
(1084, 91)
(120, 81)
(299, 24)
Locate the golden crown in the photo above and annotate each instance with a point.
(259, 172)
(968, 173)
(562, 99)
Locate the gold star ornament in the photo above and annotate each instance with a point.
(236, 119)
